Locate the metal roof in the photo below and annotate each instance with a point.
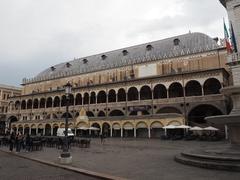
(181, 45)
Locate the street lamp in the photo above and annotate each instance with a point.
(66, 157)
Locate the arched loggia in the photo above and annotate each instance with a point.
(101, 97)
(193, 88)
(121, 96)
(112, 96)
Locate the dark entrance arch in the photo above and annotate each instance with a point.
(35, 104)
(48, 130)
(106, 129)
(101, 114)
(198, 113)
(63, 101)
(29, 104)
(49, 102)
(23, 104)
(42, 103)
(193, 88)
(89, 114)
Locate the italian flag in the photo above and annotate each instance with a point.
(226, 36)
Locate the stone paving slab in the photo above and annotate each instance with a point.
(138, 159)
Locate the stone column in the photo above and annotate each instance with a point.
(111, 131)
(51, 131)
(121, 132)
(135, 132)
(149, 132)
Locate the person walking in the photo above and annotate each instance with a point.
(27, 142)
(12, 141)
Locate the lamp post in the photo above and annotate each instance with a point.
(66, 157)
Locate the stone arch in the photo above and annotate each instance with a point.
(168, 109)
(23, 104)
(198, 113)
(86, 98)
(78, 99)
(156, 129)
(17, 105)
(132, 94)
(55, 127)
(49, 102)
(42, 103)
(62, 125)
(63, 101)
(159, 91)
(29, 104)
(116, 130)
(101, 114)
(116, 112)
(33, 129)
(101, 97)
(112, 96)
(141, 130)
(35, 104)
(145, 93)
(212, 86)
(121, 96)
(175, 90)
(193, 88)
(97, 125)
(93, 98)
(56, 101)
(128, 129)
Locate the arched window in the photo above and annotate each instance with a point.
(212, 86)
(159, 91)
(29, 104)
(42, 103)
(86, 98)
(93, 98)
(112, 96)
(193, 88)
(145, 93)
(101, 97)
(132, 94)
(175, 90)
(56, 102)
(35, 104)
(78, 99)
(49, 102)
(121, 95)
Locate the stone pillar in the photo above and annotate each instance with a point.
(51, 131)
(149, 132)
(121, 132)
(43, 131)
(135, 132)
(111, 131)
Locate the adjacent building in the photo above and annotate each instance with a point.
(6, 92)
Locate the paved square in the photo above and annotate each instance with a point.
(138, 159)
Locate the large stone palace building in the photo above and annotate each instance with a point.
(130, 92)
(6, 91)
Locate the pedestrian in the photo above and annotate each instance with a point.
(17, 144)
(27, 142)
(12, 141)
(102, 138)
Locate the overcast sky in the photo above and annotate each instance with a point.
(36, 34)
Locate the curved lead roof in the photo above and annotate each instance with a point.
(186, 44)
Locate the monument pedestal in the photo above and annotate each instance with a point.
(65, 158)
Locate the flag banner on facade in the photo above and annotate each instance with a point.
(226, 36)
(233, 39)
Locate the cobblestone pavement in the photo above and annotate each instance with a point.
(12, 167)
(139, 159)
